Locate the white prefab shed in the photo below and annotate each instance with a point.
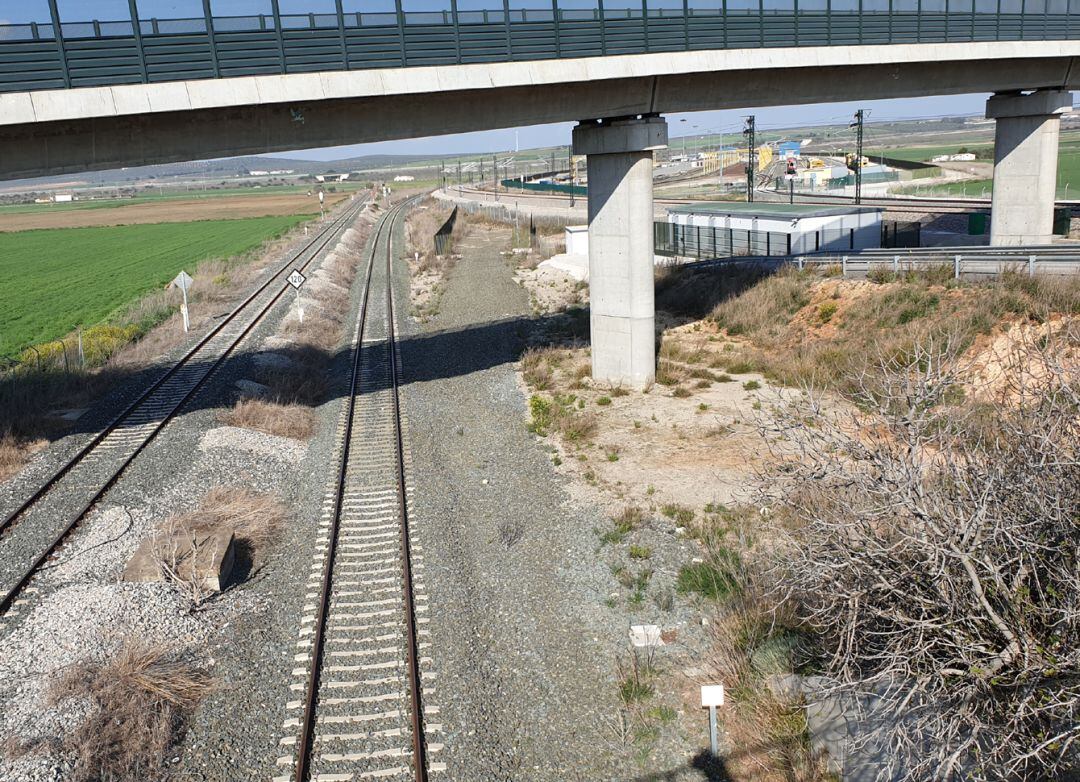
(775, 229)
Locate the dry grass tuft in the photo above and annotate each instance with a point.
(538, 366)
(254, 518)
(142, 700)
(14, 453)
(281, 420)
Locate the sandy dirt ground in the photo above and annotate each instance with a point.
(171, 211)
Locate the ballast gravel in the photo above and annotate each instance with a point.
(80, 610)
(255, 443)
(524, 649)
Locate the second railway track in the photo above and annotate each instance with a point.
(363, 679)
(35, 529)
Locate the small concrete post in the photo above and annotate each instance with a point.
(712, 696)
(1025, 165)
(619, 156)
(843, 266)
(801, 261)
(1031, 266)
(896, 264)
(956, 267)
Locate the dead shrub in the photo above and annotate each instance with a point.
(141, 702)
(934, 552)
(281, 420)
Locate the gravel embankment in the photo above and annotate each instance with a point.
(245, 637)
(525, 648)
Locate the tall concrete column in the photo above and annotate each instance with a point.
(622, 326)
(1025, 165)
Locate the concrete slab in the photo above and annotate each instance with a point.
(645, 635)
(202, 557)
(577, 266)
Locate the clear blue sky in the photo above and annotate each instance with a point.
(706, 121)
(543, 135)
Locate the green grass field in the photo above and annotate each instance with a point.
(1068, 185)
(55, 280)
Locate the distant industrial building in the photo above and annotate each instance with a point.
(721, 229)
(789, 149)
(959, 157)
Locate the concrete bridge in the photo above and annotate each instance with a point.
(78, 94)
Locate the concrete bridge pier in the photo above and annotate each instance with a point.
(1025, 165)
(619, 155)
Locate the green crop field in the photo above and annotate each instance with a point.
(55, 280)
(1068, 184)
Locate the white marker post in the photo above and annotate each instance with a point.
(712, 695)
(322, 212)
(296, 279)
(183, 281)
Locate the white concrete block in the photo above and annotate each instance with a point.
(411, 81)
(168, 96)
(351, 84)
(645, 635)
(16, 108)
(66, 104)
(290, 88)
(131, 99)
(213, 93)
(518, 74)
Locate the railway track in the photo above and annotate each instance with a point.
(35, 530)
(363, 681)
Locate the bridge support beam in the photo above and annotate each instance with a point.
(1025, 165)
(619, 155)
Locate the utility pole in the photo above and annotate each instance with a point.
(459, 175)
(751, 149)
(481, 174)
(858, 125)
(495, 174)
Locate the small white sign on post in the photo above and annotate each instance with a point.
(296, 279)
(712, 695)
(183, 281)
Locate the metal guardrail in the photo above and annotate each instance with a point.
(962, 261)
(33, 56)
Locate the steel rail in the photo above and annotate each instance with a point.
(112, 425)
(413, 657)
(307, 722)
(73, 522)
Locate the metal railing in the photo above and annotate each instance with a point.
(956, 262)
(132, 51)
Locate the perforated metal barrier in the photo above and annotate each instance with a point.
(132, 51)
